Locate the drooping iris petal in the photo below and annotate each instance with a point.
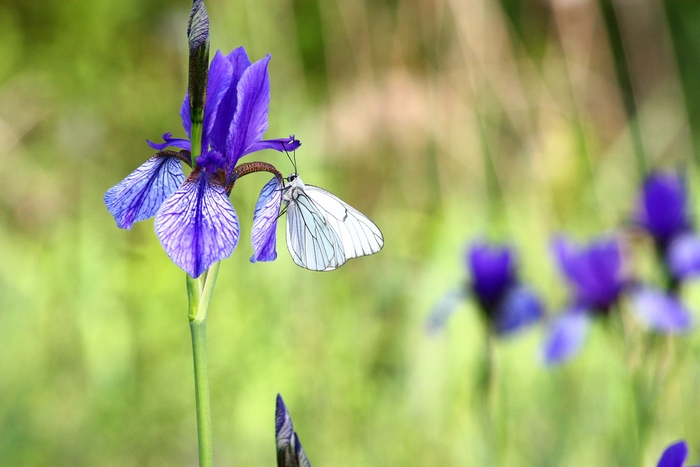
(281, 144)
(139, 195)
(662, 209)
(493, 272)
(596, 272)
(197, 225)
(674, 455)
(660, 311)
(227, 108)
(265, 218)
(250, 119)
(683, 256)
(171, 142)
(445, 308)
(220, 75)
(520, 307)
(566, 336)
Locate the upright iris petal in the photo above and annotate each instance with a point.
(493, 272)
(595, 273)
(197, 225)
(265, 221)
(662, 209)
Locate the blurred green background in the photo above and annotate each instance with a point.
(444, 121)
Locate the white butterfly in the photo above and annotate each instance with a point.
(323, 232)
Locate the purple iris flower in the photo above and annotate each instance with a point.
(507, 304)
(290, 453)
(598, 280)
(663, 212)
(674, 455)
(194, 218)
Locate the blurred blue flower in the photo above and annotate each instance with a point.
(598, 280)
(674, 455)
(195, 221)
(289, 450)
(663, 212)
(507, 304)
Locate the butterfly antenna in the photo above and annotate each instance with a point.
(292, 161)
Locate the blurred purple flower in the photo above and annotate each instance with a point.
(195, 221)
(674, 455)
(290, 453)
(663, 212)
(597, 278)
(507, 304)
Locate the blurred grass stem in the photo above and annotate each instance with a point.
(624, 82)
(199, 292)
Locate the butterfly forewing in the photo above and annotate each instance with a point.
(358, 234)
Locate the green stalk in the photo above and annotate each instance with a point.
(199, 293)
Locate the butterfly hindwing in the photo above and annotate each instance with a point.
(358, 234)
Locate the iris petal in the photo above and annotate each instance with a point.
(660, 311)
(220, 74)
(227, 108)
(185, 116)
(250, 119)
(171, 142)
(566, 336)
(281, 144)
(445, 308)
(662, 210)
(683, 256)
(595, 273)
(197, 225)
(265, 222)
(139, 195)
(493, 272)
(674, 455)
(520, 307)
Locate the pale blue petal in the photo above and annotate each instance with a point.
(197, 225)
(660, 311)
(139, 195)
(520, 307)
(265, 218)
(683, 256)
(250, 119)
(566, 336)
(444, 309)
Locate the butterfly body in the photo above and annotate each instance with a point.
(323, 231)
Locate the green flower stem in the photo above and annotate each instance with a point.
(199, 292)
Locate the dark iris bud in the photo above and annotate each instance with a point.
(198, 37)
